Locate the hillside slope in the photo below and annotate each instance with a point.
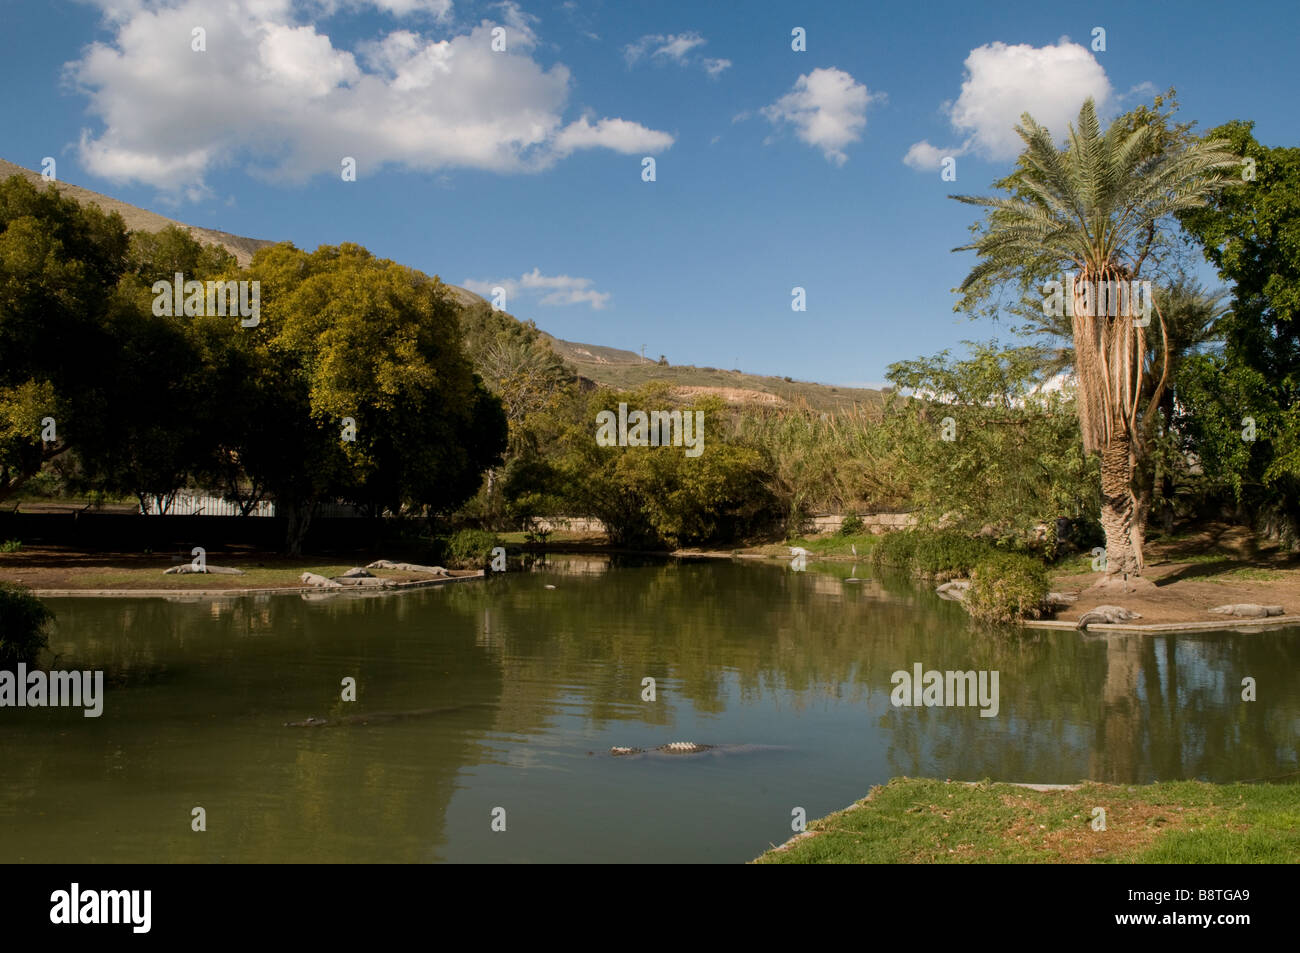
(612, 367)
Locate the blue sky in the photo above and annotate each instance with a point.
(523, 168)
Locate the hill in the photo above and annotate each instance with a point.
(612, 367)
(142, 220)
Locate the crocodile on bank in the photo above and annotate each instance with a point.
(375, 717)
(1112, 615)
(679, 748)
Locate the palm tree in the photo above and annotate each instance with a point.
(1092, 212)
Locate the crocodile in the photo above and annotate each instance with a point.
(678, 748)
(1108, 614)
(1249, 610)
(375, 717)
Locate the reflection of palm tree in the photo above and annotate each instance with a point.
(1118, 750)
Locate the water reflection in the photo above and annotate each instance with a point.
(741, 652)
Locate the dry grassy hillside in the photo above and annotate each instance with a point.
(138, 219)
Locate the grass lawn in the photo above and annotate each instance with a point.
(920, 821)
(828, 546)
(555, 536)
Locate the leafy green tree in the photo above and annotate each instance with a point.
(377, 402)
(515, 360)
(59, 264)
(1242, 407)
(986, 446)
(647, 497)
(163, 412)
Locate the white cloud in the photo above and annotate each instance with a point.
(925, 157)
(279, 97)
(1002, 82)
(828, 109)
(675, 48)
(617, 134)
(441, 9)
(551, 290)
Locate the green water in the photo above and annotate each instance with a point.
(742, 653)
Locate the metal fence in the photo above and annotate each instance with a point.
(187, 504)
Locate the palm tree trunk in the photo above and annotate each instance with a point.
(1121, 518)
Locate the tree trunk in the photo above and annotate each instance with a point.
(1120, 518)
(299, 516)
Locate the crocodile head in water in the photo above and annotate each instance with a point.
(688, 748)
(675, 747)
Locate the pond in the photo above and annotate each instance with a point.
(519, 691)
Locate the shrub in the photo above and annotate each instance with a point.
(948, 553)
(895, 549)
(470, 548)
(11, 546)
(852, 525)
(23, 621)
(1007, 587)
(931, 552)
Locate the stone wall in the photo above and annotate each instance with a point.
(876, 523)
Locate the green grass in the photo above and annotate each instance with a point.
(1072, 565)
(556, 536)
(925, 821)
(832, 546)
(11, 546)
(1198, 558)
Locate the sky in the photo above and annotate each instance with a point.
(525, 169)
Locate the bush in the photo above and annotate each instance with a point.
(930, 552)
(11, 546)
(948, 553)
(1007, 587)
(470, 548)
(23, 621)
(851, 526)
(895, 549)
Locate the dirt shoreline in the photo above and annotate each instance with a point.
(1185, 577)
(57, 572)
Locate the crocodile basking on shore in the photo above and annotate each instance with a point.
(375, 717)
(1111, 615)
(679, 748)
